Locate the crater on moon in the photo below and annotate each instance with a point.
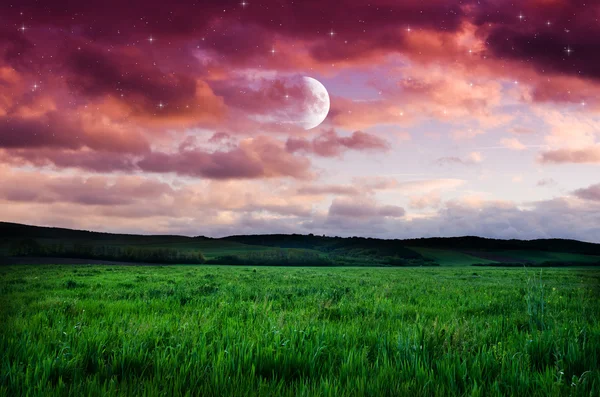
(317, 104)
(299, 101)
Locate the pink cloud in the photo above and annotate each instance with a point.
(589, 155)
(338, 190)
(590, 193)
(330, 144)
(432, 200)
(471, 159)
(513, 144)
(363, 208)
(259, 157)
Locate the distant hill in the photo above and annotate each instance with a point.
(481, 243)
(293, 249)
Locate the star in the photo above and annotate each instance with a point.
(35, 86)
(22, 28)
(161, 105)
(150, 39)
(521, 16)
(408, 29)
(568, 50)
(331, 33)
(548, 23)
(273, 51)
(244, 4)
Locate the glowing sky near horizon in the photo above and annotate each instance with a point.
(446, 118)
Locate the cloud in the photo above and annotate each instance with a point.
(93, 190)
(521, 130)
(252, 158)
(415, 92)
(514, 38)
(140, 199)
(590, 193)
(53, 130)
(471, 159)
(424, 185)
(363, 208)
(370, 185)
(589, 155)
(432, 200)
(330, 144)
(548, 182)
(338, 190)
(513, 144)
(259, 157)
(148, 94)
(148, 204)
(569, 129)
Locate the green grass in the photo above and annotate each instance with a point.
(450, 258)
(544, 256)
(229, 331)
(447, 257)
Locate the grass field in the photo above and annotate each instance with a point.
(450, 258)
(227, 331)
(541, 256)
(446, 257)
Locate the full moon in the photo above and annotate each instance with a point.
(317, 107)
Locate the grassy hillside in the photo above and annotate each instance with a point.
(487, 244)
(211, 248)
(450, 258)
(296, 249)
(530, 256)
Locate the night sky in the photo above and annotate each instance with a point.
(446, 118)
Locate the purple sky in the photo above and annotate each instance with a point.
(447, 118)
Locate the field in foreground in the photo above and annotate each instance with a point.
(212, 330)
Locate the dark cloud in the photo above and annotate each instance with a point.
(53, 130)
(573, 25)
(146, 90)
(14, 46)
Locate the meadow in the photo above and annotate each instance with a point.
(298, 331)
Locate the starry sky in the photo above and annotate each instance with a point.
(447, 118)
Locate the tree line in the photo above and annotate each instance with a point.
(30, 247)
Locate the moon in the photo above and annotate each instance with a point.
(317, 105)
